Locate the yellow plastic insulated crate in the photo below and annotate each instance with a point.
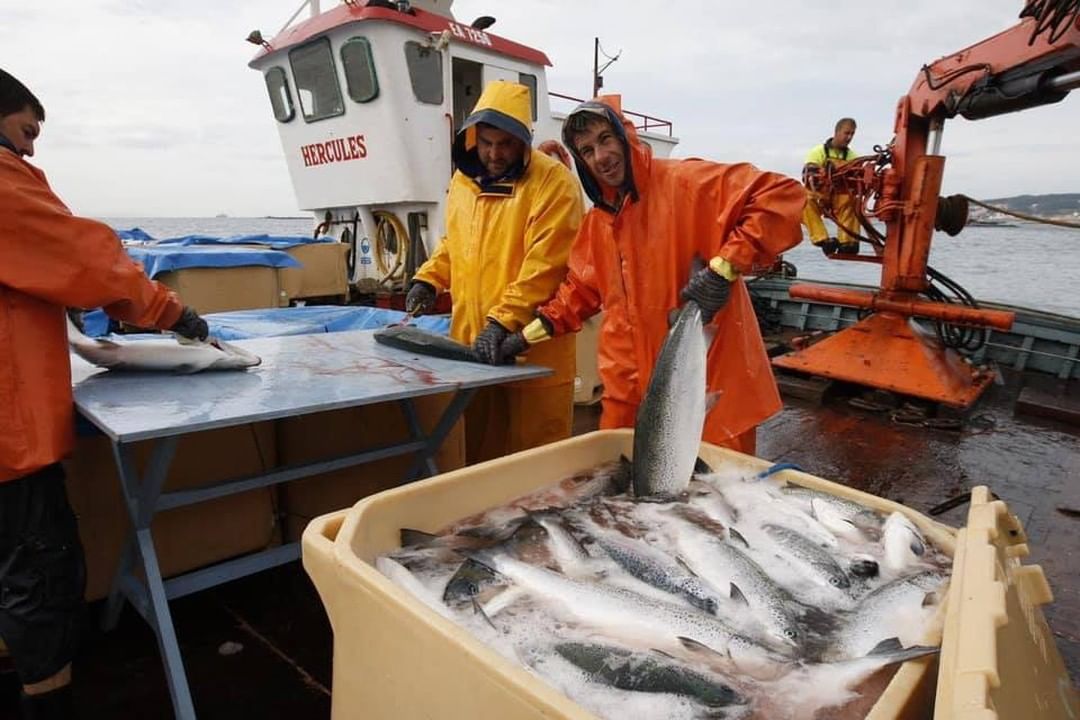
(998, 657)
(394, 657)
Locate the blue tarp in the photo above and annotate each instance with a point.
(274, 322)
(242, 324)
(158, 259)
(275, 241)
(135, 234)
(95, 323)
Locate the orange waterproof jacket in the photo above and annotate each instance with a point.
(49, 260)
(632, 258)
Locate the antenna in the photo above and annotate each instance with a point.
(598, 79)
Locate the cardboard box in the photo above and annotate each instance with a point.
(211, 290)
(324, 272)
(341, 432)
(185, 538)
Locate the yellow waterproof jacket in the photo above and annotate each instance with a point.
(825, 152)
(507, 239)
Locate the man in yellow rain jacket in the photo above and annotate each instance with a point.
(511, 217)
(835, 150)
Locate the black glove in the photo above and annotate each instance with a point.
(190, 325)
(489, 343)
(516, 343)
(512, 346)
(76, 317)
(421, 298)
(709, 290)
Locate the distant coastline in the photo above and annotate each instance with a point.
(1054, 206)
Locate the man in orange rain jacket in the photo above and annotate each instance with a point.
(632, 258)
(49, 260)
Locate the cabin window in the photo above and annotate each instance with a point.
(277, 84)
(425, 72)
(359, 70)
(529, 81)
(316, 80)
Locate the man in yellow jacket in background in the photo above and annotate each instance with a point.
(512, 214)
(835, 151)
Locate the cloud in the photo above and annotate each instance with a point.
(152, 109)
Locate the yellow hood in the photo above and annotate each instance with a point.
(504, 105)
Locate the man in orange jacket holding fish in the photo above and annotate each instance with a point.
(49, 260)
(632, 258)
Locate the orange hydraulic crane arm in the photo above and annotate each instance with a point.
(1016, 69)
(1036, 62)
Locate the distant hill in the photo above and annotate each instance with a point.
(1045, 205)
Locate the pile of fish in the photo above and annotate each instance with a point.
(738, 597)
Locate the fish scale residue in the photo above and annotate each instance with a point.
(634, 608)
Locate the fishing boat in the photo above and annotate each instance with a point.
(989, 221)
(366, 97)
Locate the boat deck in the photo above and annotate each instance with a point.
(281, 667)
(1033, 464)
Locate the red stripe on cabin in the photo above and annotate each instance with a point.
(422, 20)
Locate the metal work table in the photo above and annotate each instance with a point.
(298, 375)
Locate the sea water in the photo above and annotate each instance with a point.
(1027, 264)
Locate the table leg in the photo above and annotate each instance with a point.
(139, 500)
(161, 621)
(148, 597)
(425, 458)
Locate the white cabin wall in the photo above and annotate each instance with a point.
(407, 142)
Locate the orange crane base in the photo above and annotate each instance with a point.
(886, 350)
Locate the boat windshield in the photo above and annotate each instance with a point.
(316, 80)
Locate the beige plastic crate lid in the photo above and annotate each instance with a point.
(998, 657)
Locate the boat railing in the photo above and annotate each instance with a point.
(315, 9)
(643, 122)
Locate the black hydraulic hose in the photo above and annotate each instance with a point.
(1057, 16)
(963, 339)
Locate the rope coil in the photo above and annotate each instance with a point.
(391, 243)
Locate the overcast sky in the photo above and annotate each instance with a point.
(152, 110)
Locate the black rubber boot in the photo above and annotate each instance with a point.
(53, 705)
(828, 246)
